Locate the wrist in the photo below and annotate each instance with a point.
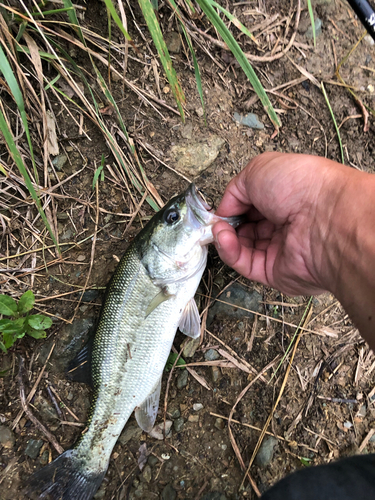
(347, 233)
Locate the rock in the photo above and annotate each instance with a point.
(219, 423)
(318, 29)
(33, 447)
(158, 431)
(174, 413)
(139, 492)
(238, 296)
(7, 438)
(168, 493)
(146, 474)
(131, 431)
(199, 112)
(100, 494)
(173, 42)
(178, 424)
(44, 457)
(71, 339)
(47, 411)
(361, 413)
(215, 373)
(182, 379)
(369, 40)
(265, 452)
(67, 235)
(214, 495)
(250, 120)
(187, 131)
(190, 348)
(152, 460)
(59, 161)
(90, 295)
(197, 406)
(193, 418)
(211, 355)
(193, 159)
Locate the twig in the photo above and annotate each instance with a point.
(254, 428)
(256, 449)
(51, 438)
(33, 390)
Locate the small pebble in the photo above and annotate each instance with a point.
(215, 373)
(362, 411)
(33, 447)
(211, 355)
(152, 460)
(178, 424)
(7, 438)
(147, 474)
(182, 379)
(219, 423)
(175, 413)
(168, 493)
(158, 431)
(193, 418)
(197, 406)
(265, 452)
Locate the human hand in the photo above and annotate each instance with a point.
(290, 201)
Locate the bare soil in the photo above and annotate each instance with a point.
(326, 410)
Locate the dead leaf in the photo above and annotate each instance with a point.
(142, 458)
(53, 146)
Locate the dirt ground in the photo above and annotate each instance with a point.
(326, 410)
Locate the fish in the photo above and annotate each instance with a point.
(150, 295)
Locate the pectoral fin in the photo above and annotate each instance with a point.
(161, 297)
(190, 323)
(145, 414)
(79, 368)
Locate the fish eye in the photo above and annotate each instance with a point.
(171, 216)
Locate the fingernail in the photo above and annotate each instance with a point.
(217, 244)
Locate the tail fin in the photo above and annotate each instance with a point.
(64, 479)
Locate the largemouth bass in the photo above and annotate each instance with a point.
(150, 295)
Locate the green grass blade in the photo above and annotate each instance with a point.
(234, 20)
(99, 121)
(293, 338)
(21, 167)
(44, 55)
(241, 58)
(73, 19)
(165, 58)
(6, 70)
(116, 18)
(311, 13)
(50, 12)
(334, 122)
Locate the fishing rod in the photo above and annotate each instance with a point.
(365, 13)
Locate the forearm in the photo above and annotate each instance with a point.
(349, 248)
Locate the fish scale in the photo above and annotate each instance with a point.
(149, 296)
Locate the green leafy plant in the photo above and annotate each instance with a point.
(19, 322)
(170, 362)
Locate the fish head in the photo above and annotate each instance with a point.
(174, 243)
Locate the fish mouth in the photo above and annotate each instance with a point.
(201, 214)
(199, 209)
